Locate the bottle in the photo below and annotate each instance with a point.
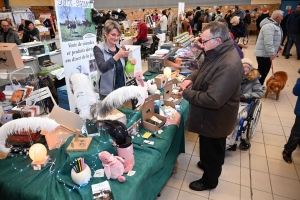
(46, 48)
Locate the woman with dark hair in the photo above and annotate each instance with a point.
(31, 33)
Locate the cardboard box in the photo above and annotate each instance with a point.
(69, 122)
(179, 77)
(160, 81)
(148, 112)
(168, 93)
(131, 104)
(115, 115)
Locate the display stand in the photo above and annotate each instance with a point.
(81, 144)
(11, 80)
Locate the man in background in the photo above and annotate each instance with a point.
(285, 32)
(47, 24)
(143, 32)
(170, 17)
(207, 17)
(198, 19)
(293, 26)
(238, 12)
(7, 35)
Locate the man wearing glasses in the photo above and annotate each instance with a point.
(7, 35)
(143, 32)
(214, 94)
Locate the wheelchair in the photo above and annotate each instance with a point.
(246, 126)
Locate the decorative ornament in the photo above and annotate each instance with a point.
(167, 72)
(37, 152)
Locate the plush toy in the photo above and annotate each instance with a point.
(140, 80)
(113, 166)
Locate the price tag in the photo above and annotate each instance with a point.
(99, 173)
(37, 167)
(148, 142)
(131, 173)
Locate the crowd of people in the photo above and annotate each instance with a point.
(25, 32)
(216, 89)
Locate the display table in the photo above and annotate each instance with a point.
(153, 165)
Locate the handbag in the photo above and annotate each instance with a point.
(243, 42)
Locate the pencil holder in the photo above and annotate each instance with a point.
(82, 178)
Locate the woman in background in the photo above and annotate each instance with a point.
(31, 33)
(111, 59)
(238, 28)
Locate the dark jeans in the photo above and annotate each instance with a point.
(138, 42)
(264, 65)
(286, 44)
(294, 38)
(284, 34)
(212, 155)
(294, 138)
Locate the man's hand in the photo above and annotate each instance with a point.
(185, 84)
(272, 57)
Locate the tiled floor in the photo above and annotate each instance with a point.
(257, 174)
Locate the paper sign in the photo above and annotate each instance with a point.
(99, 173)
(131, 173)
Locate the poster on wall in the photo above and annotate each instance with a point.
(77, 36)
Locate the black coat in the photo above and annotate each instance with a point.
(260, 18)
(239, 30)
(31, 35)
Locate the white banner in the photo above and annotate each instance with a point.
(77, 36)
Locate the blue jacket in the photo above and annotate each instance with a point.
(296, 92)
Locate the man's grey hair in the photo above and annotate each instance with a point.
(110, 25)
(276, 13)
(218, 30)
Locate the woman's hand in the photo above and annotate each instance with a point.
(132, 61)
(122, 53)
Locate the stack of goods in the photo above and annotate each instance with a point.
(188, 56)
(63, 100)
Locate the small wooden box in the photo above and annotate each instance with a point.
(115, 115)
(168, 93)
(148, 112)
(160, 81)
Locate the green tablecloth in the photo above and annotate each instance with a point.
(153, 166)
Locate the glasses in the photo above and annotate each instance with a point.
(203, 42)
